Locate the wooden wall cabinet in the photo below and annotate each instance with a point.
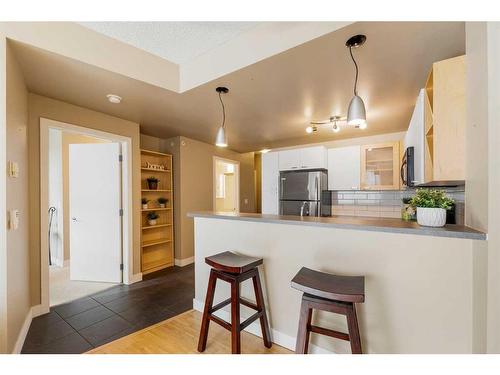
(157, 241)
(380, 166)
(444, 121)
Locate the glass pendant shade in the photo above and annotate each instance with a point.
(221, 138)
(356, 114)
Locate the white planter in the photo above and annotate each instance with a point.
(152, 222)
(162, 205)
(431, 217)
(145, 206)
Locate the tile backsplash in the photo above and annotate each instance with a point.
(385, 203)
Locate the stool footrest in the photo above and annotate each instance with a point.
(329, 332)
(251, 319)
(249, 304)
(220, 305)
(220, 322)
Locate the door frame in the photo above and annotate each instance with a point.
(214, 179)
(126, 185)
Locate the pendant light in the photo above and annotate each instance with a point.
(221, 137)
(356, 114)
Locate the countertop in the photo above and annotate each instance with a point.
(352, 222)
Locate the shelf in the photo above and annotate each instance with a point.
(154, 153)
(156, 209)
(156, 226)
(380, 170)
(155, 170)
(379, 161)
(155, 242)
(150, 267)
(160, 190)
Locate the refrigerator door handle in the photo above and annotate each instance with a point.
(316, 182)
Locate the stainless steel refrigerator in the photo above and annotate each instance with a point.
(305, 193)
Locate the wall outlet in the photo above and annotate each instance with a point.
(14, 219)
(13, 169)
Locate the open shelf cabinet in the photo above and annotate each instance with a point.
(157, 241)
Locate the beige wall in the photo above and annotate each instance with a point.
(193, 185)
(40, 106)
(67, 139)
(18, 275)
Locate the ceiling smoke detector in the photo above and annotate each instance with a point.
(115, 99)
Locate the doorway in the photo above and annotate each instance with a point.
(86, 210)
(226, 185)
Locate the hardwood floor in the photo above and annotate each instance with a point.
(179, 335)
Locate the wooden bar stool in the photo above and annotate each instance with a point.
(234, 269)
(337, 294)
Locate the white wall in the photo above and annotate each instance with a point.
(418, 288)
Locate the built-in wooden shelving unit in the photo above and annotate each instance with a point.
(157, 241)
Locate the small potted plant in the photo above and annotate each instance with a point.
(152, 183)
(162, 202)
(407, 211)
(144, 202)
(431, 207)
(152, 217)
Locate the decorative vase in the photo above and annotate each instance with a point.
(431, 217)
(152, 222)
(145, 206)
(162, 205)
(153, 185)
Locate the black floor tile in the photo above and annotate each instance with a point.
(75, 307)
(89, 317)
(99, 332)
(44, 335)
(70, 344)
(89, 322)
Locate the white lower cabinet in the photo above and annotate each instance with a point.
(270, 177)
(344, 165)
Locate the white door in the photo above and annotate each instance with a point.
(270, 178)
(313, 157)
(94, 204)
(289, 159)
(344, 168)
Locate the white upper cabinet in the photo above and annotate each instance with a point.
(415, 138)
(344, 168)
(270, 177)
(303, 158)
(289, 159)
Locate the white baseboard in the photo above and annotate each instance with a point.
(134, 279)
(183, 262)
(23, 333)
(278, 338)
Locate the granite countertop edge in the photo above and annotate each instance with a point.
(354, 223)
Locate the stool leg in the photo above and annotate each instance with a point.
(235, 318)
(205, 320)
(302, 344)
(352, 324)
(259, 296)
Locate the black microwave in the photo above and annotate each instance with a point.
(408, 167)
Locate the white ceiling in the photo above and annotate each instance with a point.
(178, 42)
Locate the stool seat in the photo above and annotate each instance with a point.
(332, 287)
(233, 263)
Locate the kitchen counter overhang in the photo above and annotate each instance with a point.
(355, 223)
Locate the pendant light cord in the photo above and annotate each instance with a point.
(223, 110)
(356, 79)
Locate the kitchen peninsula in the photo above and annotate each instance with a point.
(420, 282)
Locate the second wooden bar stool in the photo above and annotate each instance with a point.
(332, 293)
(234, 269)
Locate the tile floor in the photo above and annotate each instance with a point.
(63, 290)
(89, 322)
